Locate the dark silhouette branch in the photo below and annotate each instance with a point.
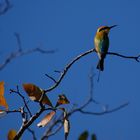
(50, 77)
(23, 98)
(13, 111)
(68, 66)
(78, 109)
(137, 58)
(28, 123)
(51, 131)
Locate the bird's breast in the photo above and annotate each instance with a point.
(101, 43)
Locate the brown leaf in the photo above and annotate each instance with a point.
(11, 134)
(62, 99)
(46, 119)
(35, 93)
(2, 99)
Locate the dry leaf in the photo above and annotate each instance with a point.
(2, 113)
(66, 125)
(11, 134)
(62, 99)
(35, 93)
(83, 136)
(2, 99)
(46, 119)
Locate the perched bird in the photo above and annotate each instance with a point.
(101, 42)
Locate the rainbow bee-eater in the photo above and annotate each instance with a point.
(101, 42)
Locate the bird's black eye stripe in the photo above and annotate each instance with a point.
(104, 28)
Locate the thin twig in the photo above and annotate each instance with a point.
(23, 98)
(137, 58)
(51, 78)
(24, 115)
(68, 66)
(103, 112)
(80, 109)
(32, 132)
(20, 52)
(18, 41)
(13, 111)
(26, 125)
(4, 7)
(50, 132)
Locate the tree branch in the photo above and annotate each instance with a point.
(68, 66)
(50, 132)
(100, 113)
(23, 98)
(26, 125)
(33, 133)
(79, 109)
(17, 35)
(50, 77)
(137, 58)
(20, 52)
(4, 7)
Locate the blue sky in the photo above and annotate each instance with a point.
(69, 27)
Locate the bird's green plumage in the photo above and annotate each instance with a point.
(101, 42)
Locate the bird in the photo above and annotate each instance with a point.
(101, 42)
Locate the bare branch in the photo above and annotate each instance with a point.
(20, 52)
(68, 66)
(79, 109)
(51, 131)
(13, 111)
(23, 98)
(137, 58)
(51, 78)
(57, 71)
(4, 7)
(33, 133)
(44, 51)
(100, 113)
(24, 115)
(18, 41)
(26, 125)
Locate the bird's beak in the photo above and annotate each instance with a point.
(112, 26)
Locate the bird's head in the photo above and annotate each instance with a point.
(105, 29)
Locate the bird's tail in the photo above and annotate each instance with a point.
(100, 65)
